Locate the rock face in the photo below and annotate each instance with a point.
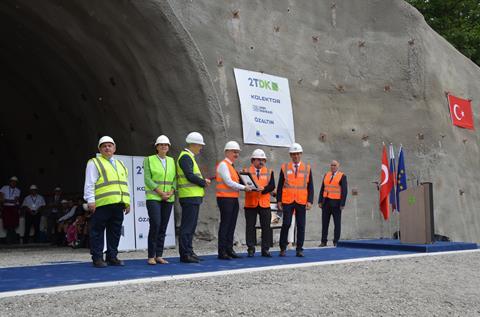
(361, 73)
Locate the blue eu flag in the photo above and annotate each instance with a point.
(401, 177)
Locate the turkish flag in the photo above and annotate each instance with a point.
(386, 185)
(461, 112)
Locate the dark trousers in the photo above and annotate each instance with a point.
(52, 226)
(300, 216)
(265, 215)
(158, 214)
(187, 228)
(107, 218)
(329, 210)
(228, 220)
(31, 220)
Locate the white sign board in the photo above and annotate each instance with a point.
(141, 214)
(127, 238)
(266, 108)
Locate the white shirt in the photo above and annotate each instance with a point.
(224, 173)
(68, 215)
(91, 177)
(163, 161)
(34, 202)
(10, 193)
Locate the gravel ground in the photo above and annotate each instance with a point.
(440, 285)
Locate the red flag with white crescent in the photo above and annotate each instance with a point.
(386, 185)
(461, 112)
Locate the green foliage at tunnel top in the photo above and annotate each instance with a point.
(458, 21)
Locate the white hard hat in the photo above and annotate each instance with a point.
(57, 189)
(194, 138)
(105, 139)
(232, 145)
(295, 148)
(163, 139)
(258, 154)
(14, 178)
(33, 187)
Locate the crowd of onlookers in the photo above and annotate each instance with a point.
(52, 218)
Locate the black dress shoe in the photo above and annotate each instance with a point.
(224, 256)
(323, 244)
(266, 254)
(188, 259)
(196, 257)
(115, 262)
(282, 253)
(250, 253)
(234, 255)
(99, 263)
(300, 254)
(334, 244)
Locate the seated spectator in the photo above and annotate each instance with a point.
(32, 205)
(52, 212)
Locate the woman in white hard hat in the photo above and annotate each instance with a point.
(228, 187)
(160, 182)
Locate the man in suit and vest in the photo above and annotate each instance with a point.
(108, 198)
(333, 195)
(191, 190)
(294, 193)
(228, 188)
(258, 203)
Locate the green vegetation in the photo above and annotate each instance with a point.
(458, 21)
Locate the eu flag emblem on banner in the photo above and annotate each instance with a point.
(401, 177)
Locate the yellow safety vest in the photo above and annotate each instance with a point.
(163, 177)
(184, 186)
(112, 185)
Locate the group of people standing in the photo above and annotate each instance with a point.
(108, 198)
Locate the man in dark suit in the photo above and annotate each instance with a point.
(333, 195)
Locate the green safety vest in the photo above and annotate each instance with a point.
(163, 178)
(184, 186)
(112, 185)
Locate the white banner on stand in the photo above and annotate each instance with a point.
(127, 238)
(141, 214)
(266, 107)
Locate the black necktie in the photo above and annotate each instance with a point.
(258, 173)
(296, 169)
(331, 178)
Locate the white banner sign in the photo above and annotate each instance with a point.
(127, 238)
(266, 108)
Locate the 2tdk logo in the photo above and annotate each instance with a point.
(265, 84)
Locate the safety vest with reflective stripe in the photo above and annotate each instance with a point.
(253, 199)
(112, 185)
(295, 187)
(164, 177)
(222, 189)
(332, 189)
(184, 187)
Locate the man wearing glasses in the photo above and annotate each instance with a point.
(331, 200)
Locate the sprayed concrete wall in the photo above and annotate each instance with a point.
(361, 73)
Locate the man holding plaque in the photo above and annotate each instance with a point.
(258, 203)
(294, 193)
(228, 188)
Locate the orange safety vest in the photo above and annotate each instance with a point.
(222, 189)
(253, 199)
(295, 188)
(332, 189)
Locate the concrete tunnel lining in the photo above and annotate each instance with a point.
(73, 73)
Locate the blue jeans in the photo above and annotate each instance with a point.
(300, 216)
(107, 218)
(159, 214)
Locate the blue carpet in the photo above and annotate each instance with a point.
(61, 274)
(390, 244)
